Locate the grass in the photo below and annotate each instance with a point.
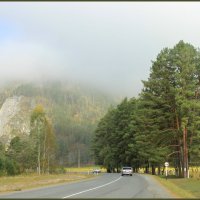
(28, 181)
(84, 169)
(183, 188)
(21, 182)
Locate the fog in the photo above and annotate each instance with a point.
(108, 45)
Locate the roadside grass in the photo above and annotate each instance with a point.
(182, 188)
(84, 169)
(21, 182)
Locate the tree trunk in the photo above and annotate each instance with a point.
(147, 169)
(79, 157)
(153, 170)
(38, 135)
(39, 158)
(44, 154)
(185, 153)
(159, 170)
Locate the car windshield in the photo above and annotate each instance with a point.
(127, 168)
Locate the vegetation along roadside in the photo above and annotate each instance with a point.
(29, 181)
(182, 188)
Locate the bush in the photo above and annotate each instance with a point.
(59, 170)
(2, 166)
(12, 168)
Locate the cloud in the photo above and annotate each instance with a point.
(106, 44)
(29, 61)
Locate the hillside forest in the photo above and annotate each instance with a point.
(62, 120)
(162, 124)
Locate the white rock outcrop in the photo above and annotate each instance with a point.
(14, 118)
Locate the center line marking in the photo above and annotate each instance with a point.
(92, 188)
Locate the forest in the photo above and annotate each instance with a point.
(63, 117)
(72, 125)
(162, 124)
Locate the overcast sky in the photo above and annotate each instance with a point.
(106, 44)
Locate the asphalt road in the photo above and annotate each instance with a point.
(103, 186)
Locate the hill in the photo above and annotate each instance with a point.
(74, 110)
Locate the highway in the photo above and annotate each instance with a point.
(102, 186)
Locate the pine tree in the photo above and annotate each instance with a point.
(170, 94)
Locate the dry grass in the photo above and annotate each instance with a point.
(22, 182)
(194, 172)
(84, 169)
(182, 188)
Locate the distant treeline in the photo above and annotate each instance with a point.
(163, 124)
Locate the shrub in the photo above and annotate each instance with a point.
(12, 168)
(2, 166)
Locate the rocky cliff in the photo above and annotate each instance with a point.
(15, 118)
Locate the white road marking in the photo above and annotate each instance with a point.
(92, 188)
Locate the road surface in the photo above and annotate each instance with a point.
(103, 186)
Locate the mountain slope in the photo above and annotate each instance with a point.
(73, 109)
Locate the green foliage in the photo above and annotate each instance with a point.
(152, 130)
(22, 152)
(2, 166)
(113, 135)
(12, 168)
(43, 139)
(8, 166)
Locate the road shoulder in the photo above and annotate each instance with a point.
(157, 188)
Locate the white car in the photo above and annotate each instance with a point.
(127, 171)
(96, 171)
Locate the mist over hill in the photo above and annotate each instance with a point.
(73, 108)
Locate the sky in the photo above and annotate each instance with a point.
(109, 45)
